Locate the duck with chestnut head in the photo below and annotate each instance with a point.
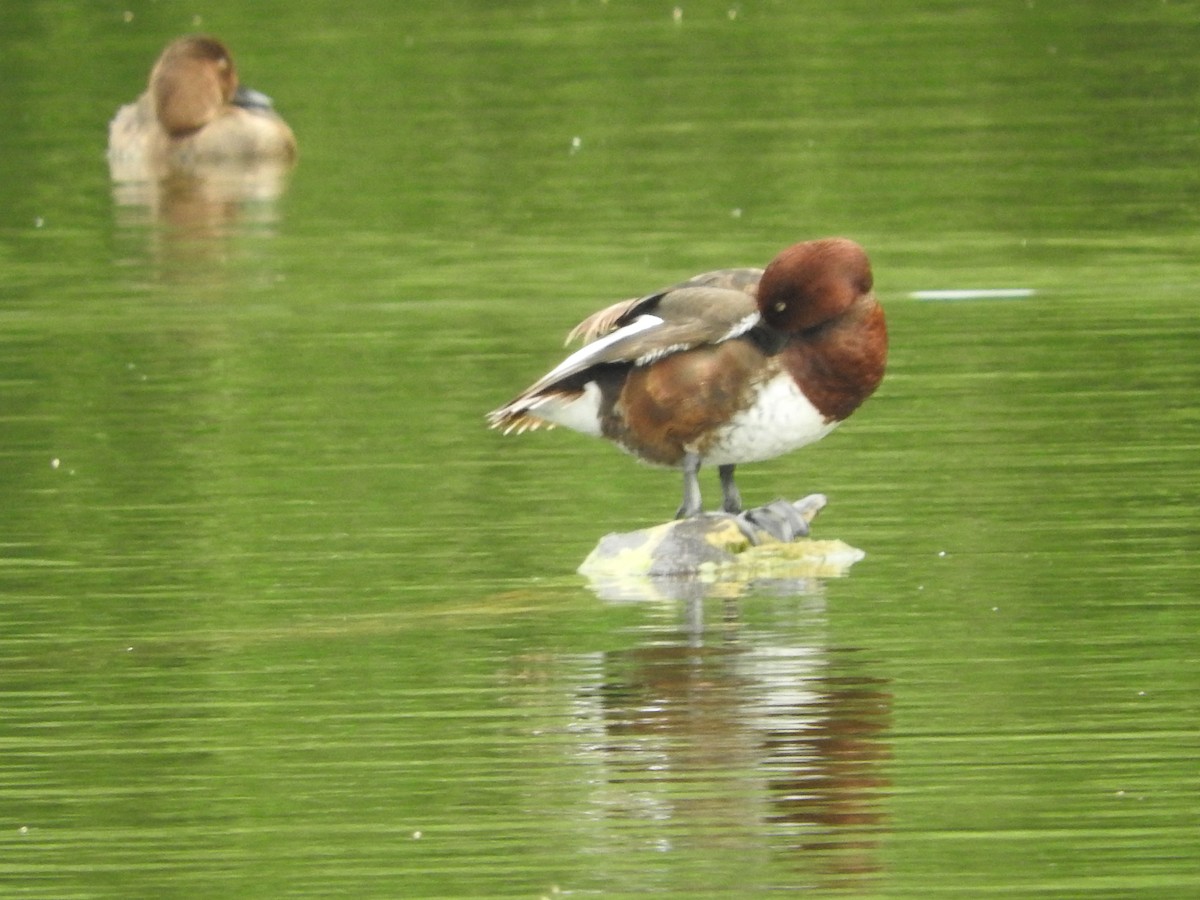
(195, 113)
(729, 367)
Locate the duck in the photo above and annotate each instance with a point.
(732, 366)
(195, 112)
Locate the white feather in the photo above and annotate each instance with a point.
(781, 419)
(580, 413)
(582, 357)
(646, 358)
(741, 326)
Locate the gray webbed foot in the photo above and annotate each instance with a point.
(781, 520)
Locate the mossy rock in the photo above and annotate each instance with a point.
(765, 542)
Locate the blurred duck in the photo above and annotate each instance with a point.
(194, 113)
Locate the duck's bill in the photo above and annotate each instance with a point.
(249, 98)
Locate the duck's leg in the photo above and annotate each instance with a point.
(691, 487)
(732, 499)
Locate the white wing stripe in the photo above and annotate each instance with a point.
(741, 326)
(646, 358)
(581, 358)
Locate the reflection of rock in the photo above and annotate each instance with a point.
(767, 543)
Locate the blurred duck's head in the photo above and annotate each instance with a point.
(193, 81)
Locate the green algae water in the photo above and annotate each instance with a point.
(280, 617)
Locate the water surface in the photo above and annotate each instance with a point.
(282, 618)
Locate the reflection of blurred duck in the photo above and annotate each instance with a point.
(194, 113)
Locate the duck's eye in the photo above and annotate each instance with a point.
(780, 306)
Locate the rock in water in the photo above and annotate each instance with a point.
(767, 541)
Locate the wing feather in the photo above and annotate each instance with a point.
(707, 309)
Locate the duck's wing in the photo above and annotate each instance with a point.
(607, 320)
(650, 328)
(707, 309)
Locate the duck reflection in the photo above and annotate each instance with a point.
(202, 201)
(714, 736)
(198, 151)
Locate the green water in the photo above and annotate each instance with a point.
(279, 617)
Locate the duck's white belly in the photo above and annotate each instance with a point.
(782, 419)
